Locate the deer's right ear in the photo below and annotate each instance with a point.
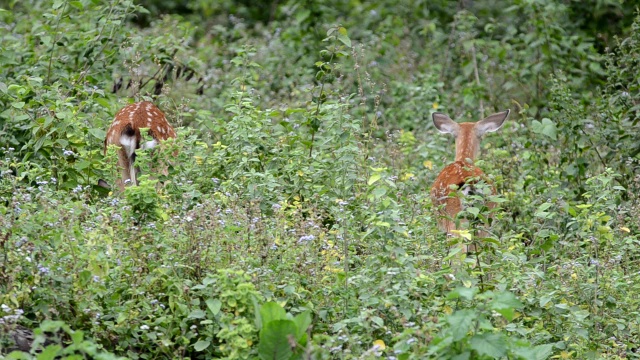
(104, 184)
(444, 124)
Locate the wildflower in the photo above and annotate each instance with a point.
(43, 269)
(68, 153)
(306, 238)
(144, 327)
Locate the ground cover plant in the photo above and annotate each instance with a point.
(295, 221)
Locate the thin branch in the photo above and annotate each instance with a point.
(475, 71)
(55, 40)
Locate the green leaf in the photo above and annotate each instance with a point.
(214, 305)
(98, 133)
(491, 345)
(546, 127)
(50, 352)
(463, 292)
(18, 105)
(505, 303)
(274, 340)
(197, 314)
(272, 311)
(540, 352)
(343, 37)
(302, 321)
(460, 323)
(201, 345)
(379, 192)
(375, 177)
(77, 4)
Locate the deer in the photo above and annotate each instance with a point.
(462, 171)
(124, 132)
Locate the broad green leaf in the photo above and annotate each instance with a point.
(50, 352)
(302, 321)
(98, 133)
(201, 345)
(505, 303)
(460, 323)
(375, 177)
(546, 127)
(540, 352)
(272, 311)
(275, 340)
(491, 345)
(463, 292)
(196, 314)
(214, 305)
(343, 37)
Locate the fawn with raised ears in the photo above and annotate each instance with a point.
(462, 171)
(125, 133)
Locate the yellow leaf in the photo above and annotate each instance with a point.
(435, 105)
(428, 164)
(407, 176)
(300, 172)
(380, 344)
(198, 160)
(625, 229)
(465, 234)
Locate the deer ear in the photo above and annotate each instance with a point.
(104, 184)
(444, 124)
(491, 123)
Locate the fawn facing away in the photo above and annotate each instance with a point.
(125, 133)
(462, 171)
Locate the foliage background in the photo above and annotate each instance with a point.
(306, 152)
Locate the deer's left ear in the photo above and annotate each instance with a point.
(491, 123)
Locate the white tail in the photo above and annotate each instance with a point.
(462, 171)
(125, 133)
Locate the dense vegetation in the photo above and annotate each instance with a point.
(295, 221)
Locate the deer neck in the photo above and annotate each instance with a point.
(467, 143)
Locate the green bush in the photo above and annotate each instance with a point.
(295, 221)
